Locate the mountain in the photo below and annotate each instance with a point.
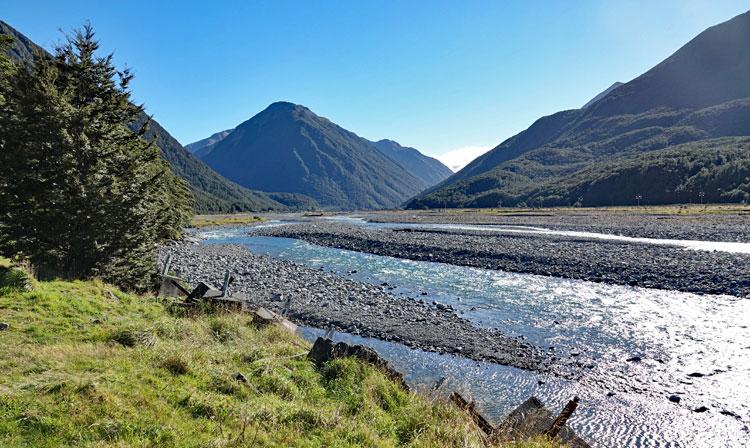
(212, 192)
(672, 117)
(202, 147)
(288, 148)
(602, 94)
(431, 171)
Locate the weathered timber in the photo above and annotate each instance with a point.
(172, 287)
(532, 418)
(266, 317)
(201, 292)
(325, 350)
(470, 408)
(561, 419)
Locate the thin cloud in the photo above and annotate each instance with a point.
(458, 158)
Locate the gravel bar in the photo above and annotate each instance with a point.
(644, 265)
(322, 299)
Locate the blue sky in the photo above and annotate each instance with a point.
(451, 78)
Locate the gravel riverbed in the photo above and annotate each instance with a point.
(321, 299)
(729, 225)
(616, 262)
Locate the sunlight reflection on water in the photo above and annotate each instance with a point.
(672, 335)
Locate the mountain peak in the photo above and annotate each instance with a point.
(288, 148)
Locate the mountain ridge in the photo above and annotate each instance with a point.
(700, 92)
(287, 147)
(429, 169)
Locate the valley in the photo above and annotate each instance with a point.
(398, 281)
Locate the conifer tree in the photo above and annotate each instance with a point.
(82, 195)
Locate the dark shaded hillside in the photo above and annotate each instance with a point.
(714, 170)
(712, 68)
(430, 170)
(202, 147)
(702, 92)
(213, 193)
(288, 148)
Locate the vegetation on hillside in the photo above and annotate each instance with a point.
(430, 170)
(288, 148)
(81, 195)
(86, 365)
(712, 170)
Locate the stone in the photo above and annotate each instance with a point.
(675, 398)
(4, 326)
(324, 350)
(700, 409)
(239, 377)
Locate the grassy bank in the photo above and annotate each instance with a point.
(86, 365)
(675, 209)
(200, 221)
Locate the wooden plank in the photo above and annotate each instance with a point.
(470, 408)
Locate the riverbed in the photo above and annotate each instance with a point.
(630, 353)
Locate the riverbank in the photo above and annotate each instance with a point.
(322, 299)
(84, 364)
(730, 223)
(615, 262)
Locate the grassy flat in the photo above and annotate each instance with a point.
(86, 365)
(200, 221)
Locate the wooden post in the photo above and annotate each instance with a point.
(287, 305)
(561, 419)
(167, 265)
(470, 408)
(225, 286)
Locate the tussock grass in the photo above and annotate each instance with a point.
(85, 365)
(200, 221)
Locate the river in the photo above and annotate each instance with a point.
(637, 347)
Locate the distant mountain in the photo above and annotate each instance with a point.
(288, 148)
(213, 193)
(431, 171)
(202, 147)
(602, 94)
(700, 95)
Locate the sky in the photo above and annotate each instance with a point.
(450, 78)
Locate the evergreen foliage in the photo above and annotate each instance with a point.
(82, 195)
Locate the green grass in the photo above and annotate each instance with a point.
(86, 365)
(199, 221)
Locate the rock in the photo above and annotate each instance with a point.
(700, 409)
(634, 359)
(4, 326)
(674, 398)
(239, 377)
(324, 350)
(697, 375)
(730, 414)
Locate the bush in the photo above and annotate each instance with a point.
(81, 195)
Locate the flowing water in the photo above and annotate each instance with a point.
(637, 346)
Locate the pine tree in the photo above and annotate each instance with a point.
(82, 196)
